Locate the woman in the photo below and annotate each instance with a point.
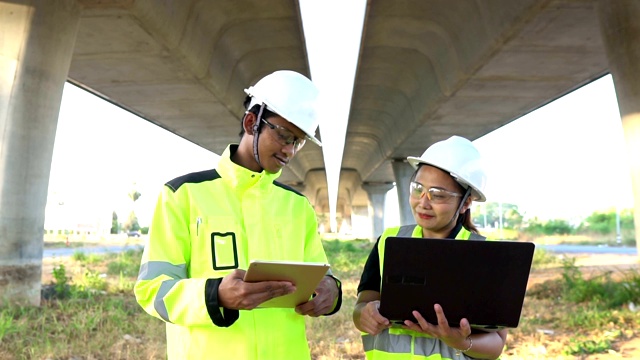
(448, 177)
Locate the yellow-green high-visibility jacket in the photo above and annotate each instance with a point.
(400, 344)
(207, 224)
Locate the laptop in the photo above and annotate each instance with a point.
(483, 281)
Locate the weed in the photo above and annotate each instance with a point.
(93, 280)
(542, 258)
(600, 290)
(123, 267)
(590, 346)
(6, 324)
(93, 259)
(79, 256)
(61, 281)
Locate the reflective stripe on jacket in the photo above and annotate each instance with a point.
(206, 225)
(400, 344)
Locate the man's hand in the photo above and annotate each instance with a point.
(326, 294)
(234, 293)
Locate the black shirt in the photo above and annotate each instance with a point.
(371, 279)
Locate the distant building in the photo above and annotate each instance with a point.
(64, 216)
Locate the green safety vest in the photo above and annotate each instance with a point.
(401, 344)
(204, 226)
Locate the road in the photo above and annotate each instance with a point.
(590, 249)
(570, 249)
(68, 251)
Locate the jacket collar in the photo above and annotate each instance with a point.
(240, 177)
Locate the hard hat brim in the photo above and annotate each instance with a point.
(313, 139)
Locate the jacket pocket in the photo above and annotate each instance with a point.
(224, 250)
(215, 243)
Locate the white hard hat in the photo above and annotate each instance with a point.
(290, 95)
(460, 158)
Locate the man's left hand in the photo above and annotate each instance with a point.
(326, 294)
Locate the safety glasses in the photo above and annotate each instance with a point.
(435, 195)
(284, 136)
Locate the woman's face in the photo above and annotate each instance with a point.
(435, 216)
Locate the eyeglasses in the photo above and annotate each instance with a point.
(285, 137)
(435, 195)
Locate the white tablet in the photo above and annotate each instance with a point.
(304, 275)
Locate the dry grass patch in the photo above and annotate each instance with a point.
(563, 316)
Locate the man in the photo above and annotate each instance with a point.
(209, 225)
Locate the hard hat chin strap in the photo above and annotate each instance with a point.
(256, 133)
(464, 198)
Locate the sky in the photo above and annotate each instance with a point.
(564, 160)
(102, 152)
(333, 74)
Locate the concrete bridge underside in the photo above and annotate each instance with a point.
(427, 69)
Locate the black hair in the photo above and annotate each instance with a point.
(255, 109)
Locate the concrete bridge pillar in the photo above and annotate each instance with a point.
(620, 31)
(35, 54)
(403, 172)
(377, 194)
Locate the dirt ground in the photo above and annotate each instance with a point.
(590, 265)
(76, 242)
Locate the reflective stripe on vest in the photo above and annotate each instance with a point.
(401, 344)
(397, 344)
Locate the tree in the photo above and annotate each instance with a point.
(558, 227)
(600, 223)
(511, 217)
(550, 227)
(132, 222)
(115, 227)
(134, 195)
(605, 223)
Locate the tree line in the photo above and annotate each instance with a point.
(604, 224)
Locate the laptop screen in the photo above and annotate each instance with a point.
(483, 281)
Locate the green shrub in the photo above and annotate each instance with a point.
(602, 290)
(61, 281)
(92, 280)
(542, 257)
(79, 256)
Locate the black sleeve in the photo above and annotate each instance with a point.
(213, 308)
(339, 302)
(370, 279)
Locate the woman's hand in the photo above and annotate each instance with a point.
(456, 337)
(371, 321)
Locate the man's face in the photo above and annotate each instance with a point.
(273, 149)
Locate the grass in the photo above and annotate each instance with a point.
(89, 312)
